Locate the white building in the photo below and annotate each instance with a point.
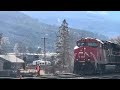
(41, 62)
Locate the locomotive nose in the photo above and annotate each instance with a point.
(84, 54)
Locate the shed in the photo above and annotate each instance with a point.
(10, 62)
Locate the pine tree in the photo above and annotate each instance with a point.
(63, 45)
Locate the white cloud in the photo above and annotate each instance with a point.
(98, 12)
(58, 20)
(93, 12)
(103, 12)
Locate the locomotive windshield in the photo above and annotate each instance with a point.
(91, 44)
(81, 44)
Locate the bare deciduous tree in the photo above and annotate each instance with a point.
(115, 40)
(4, 42)
(16, 48)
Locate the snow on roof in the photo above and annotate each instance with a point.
(76, 47)
(38, 61)
(12, 58)
(47, 54)
(112, 42)
(89, 38)
(99, 41)
(95, 39)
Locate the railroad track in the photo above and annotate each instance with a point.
(74, 76)
(71, 76)
(103, 76)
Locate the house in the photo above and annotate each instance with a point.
(10, 62)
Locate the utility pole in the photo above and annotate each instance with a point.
(44, 48)
(1, 36)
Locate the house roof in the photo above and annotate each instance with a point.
(12, 58)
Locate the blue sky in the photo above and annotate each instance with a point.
(114, 15)
(74, 16)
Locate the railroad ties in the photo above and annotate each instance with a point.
(70, 76)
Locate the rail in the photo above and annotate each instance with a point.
(69, 76)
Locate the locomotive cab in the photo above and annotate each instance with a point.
(87, 55)
(93, 55)
(86, 47)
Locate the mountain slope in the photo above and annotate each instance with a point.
(28, 31)
(82, 20)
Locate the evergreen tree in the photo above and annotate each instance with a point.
(63, 45)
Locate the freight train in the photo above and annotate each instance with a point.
(92, 55)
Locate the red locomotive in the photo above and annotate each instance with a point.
(94, 55)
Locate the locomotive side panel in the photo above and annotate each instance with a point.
(112, 53)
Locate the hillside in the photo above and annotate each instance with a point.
(82, 20)
(23, 29)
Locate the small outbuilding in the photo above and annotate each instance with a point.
(10, 62)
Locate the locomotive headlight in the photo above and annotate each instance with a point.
(88, 59)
